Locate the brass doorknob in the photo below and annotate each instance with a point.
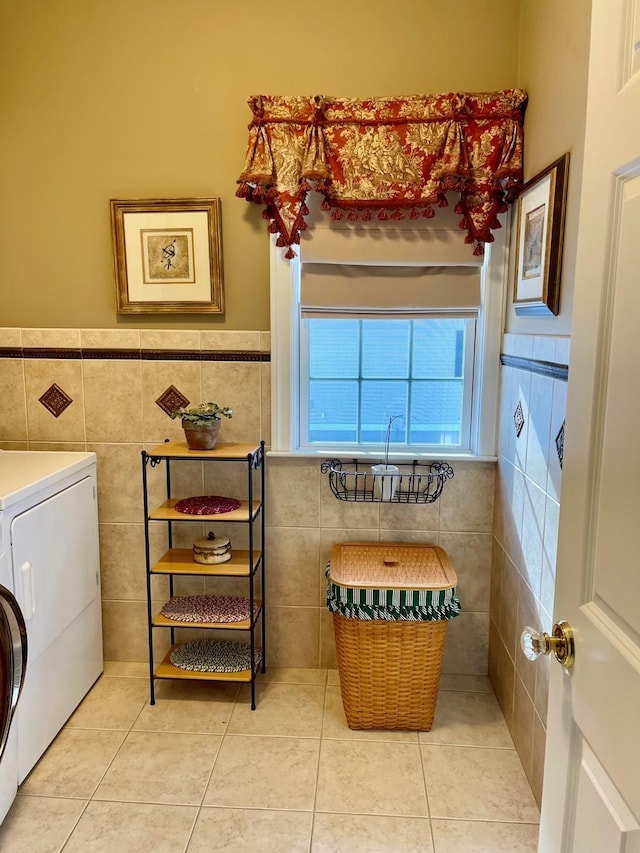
(535, 643)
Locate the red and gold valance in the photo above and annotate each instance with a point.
(385, 157)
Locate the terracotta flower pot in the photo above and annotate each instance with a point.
(201, 436)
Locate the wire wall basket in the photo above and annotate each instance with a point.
(413, 483)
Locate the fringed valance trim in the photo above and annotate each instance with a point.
(385, 158)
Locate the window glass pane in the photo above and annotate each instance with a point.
(362, 372)
(438, 348)
(385, 348)
(333, 410)
(380, 401)
(436, 412)
(334, 348)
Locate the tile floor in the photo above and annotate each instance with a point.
(201, 772)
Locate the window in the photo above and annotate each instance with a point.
(358, 373)
(356, 343)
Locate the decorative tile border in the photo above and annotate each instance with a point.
(533, 365)
(134, 354)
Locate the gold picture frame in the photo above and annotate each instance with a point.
(540, 219)
(167, 255)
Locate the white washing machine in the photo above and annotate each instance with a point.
(49, 560)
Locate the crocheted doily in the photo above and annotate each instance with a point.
(207, 608)
(213, 656)
(206, 505)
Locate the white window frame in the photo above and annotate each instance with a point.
(285, 348)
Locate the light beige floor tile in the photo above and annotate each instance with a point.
(371, 778)
(112, 703)
(294, 675)
(38, 824)
(333, 677)
(475, 837)
(335, 724)
(293, 710)
(336, 833)
(477, 784)
(131, 828)
(265, 773)
(126, 669)
(250, 831)
(465, 683)
(160, 768)
(74, 763)
(468, 719)
(189, 707)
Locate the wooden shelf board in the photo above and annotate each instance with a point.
(166, 512)
(167, 670)
(229, 450)
(179, 561)
(161, 621)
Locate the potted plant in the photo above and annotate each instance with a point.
(386, 477)
(201, 424)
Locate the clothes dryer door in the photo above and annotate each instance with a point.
(13, 661)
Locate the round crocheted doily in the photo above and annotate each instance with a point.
(207, 608)
(213, 656)
(206, 505)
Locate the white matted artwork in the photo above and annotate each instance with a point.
(167, 255)
(540, 232)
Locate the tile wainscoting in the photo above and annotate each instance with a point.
(114, 379)
(525, 533)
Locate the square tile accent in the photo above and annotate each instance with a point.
(172, 399)
(518, 418)
(55, 400)
(560, 444)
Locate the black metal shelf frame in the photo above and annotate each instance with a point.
(255, 462)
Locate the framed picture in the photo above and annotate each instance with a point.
(167, 255)
(540, 234)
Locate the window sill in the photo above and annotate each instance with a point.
(394, 458)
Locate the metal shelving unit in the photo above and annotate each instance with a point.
(249, 563)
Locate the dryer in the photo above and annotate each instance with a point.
(49, 559)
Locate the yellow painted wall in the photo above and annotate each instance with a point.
(553, 67)
(147, 99)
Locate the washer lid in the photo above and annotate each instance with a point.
(23, 472)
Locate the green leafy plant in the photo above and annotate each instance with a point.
(203, 413)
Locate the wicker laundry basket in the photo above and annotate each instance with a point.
(391, 603)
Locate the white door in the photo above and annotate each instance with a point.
(591, 800)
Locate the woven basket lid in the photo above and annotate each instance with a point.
(391, 565)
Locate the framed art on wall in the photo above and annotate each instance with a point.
(540, 219)
(167, 255)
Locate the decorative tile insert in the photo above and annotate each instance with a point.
(172, 399)
(518, 419)
(560, 444)
(55, 400)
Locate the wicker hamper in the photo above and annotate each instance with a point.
(391, 603)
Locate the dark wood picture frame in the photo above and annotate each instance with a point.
(540, 217)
